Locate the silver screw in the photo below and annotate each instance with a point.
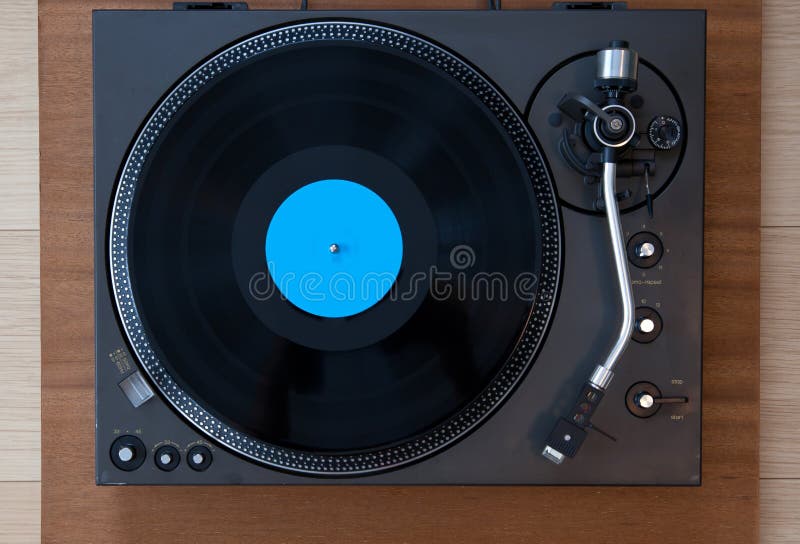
(333, 248)
(616, 124)
(567, 438)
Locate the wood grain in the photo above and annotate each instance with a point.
(19, 283)
(19, 512)
(780, 323)
(19, 275)
(724, 509)
(780, 517)
(19, 160)
(19, 355)
(19, 408)
(780, 110)
(780, 342)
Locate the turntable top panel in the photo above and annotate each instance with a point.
(725, 507)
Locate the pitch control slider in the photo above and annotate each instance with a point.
(617, 73)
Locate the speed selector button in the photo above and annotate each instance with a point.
(645, 249)
(128, 453)
(647, 325)
(167, 458)
(199, 458)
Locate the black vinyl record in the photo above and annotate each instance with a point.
(472, 298)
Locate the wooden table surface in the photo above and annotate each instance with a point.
(19, 273)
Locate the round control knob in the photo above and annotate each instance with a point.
(125, 454)
(128, 453)
(641, 399)
(645, 400)
(167, 458)
(647, 326)
(664, 132)
(645, 249)
(199, 458)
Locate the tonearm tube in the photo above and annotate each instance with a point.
(611, 128)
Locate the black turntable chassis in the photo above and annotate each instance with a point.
(659, 450)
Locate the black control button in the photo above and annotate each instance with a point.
(640, 399)
(664, 132)
(199, 458)
(644, 399)
(645, 249)
(128, 453)
(167, 458)
(647, 326)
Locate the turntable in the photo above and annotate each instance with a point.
(398, 247)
